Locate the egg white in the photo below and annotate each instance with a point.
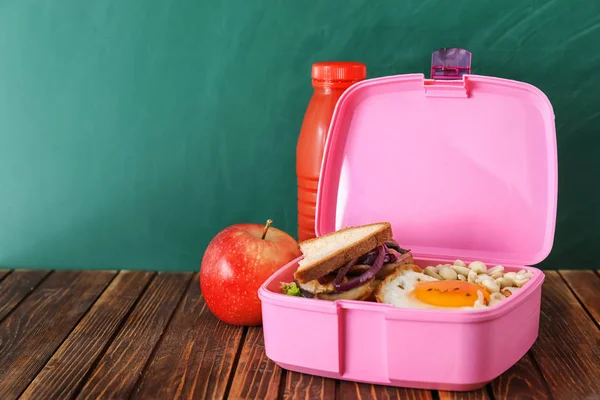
(398, 292)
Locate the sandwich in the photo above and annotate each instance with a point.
(347, 264)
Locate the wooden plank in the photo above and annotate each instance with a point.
(119, 368)
(16, 287)
(34, 330)
(195, 357)
(3, 273)
(586, 285)
(304, 386)
(523, 381)
(256, 376)
(363, 391)
(480, 394)
(567, 349)
(64, 373)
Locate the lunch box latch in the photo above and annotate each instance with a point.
(448, 69)
(450, 63)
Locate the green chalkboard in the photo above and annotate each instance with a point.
(131, 132)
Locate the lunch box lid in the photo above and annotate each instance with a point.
(464, 168)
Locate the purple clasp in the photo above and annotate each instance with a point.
(450, 63)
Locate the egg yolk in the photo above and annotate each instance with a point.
(450, 293)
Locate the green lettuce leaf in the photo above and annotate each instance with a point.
(291, 289)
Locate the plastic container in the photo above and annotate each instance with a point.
(330, 80)
(462, 169)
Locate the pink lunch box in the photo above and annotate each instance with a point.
(463, 168)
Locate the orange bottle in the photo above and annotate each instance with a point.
(329, 80)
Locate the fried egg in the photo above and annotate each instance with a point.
(410, 288)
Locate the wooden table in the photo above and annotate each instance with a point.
(109, 334)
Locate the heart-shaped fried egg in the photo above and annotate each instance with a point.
(410, 288)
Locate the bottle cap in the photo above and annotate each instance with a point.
(339, 71)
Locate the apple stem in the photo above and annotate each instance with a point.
(267, 225)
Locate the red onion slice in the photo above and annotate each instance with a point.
(395, 256)
(403, 257)
(391, 255)
(342, 272)
(368, 258)
(370, 274)
(392, 244)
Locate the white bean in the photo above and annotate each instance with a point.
(480, 302)
(478, 267)
(509, 291)
(442, 266)
(462, 278)
(432, 271)
(472, 277)
(496, 298)
(521, 280)
(496, 272)
(490, 285)
(460, 263)
(448, 273)
(524, 272)
(505, 282)
(461, 270)
(511, 275)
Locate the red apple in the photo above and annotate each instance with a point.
(236, 262)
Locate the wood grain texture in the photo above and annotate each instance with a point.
(480, 394)
(362, 391)
(586, 285)
(119, 368)
(304, 386)
(32, 333)
(568, 346)
(3, 273)
(65, 327)
(256, 376)
(16, 287)
(64, 373)
(196, 356)
(523, 381)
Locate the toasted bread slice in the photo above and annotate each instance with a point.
(326, 253)
(383, 272)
